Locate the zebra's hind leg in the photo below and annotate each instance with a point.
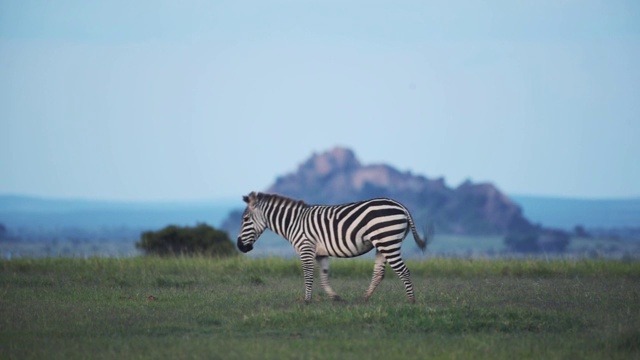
(323, 264)
(405, 275)
(378, 275)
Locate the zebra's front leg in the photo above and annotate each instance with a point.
(378, 275)
(307, 258)
(323, 264)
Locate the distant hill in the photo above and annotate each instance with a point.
(337, 176)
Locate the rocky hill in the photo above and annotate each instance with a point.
(337, 176)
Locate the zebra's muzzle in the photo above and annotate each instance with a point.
(244, 248)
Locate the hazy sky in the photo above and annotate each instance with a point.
(151, 100)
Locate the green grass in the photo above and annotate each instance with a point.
(198, 308)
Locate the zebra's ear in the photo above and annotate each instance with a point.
(250, 199)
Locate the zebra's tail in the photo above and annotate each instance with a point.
(428, 234)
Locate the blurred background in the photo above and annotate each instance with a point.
(161, 112)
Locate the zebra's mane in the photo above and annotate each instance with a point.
(283, 199)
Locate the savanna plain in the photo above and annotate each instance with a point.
(241, 308)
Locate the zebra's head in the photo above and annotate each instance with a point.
(253, 223)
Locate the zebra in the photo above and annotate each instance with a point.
(320, 231)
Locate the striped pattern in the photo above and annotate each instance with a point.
(320, 231)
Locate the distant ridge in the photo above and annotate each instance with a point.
(337, 176)
(566, 213)
(17, 211)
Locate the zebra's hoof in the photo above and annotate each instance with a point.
(337, 298)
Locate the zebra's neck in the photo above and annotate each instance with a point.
(281, 215)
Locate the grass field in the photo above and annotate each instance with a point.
(197, 308)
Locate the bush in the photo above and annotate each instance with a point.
(553, 240)
(525, 241)
(174, 240)
(538, 240)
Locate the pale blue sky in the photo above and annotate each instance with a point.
(151, 100)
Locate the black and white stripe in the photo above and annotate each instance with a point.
(319, 231)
